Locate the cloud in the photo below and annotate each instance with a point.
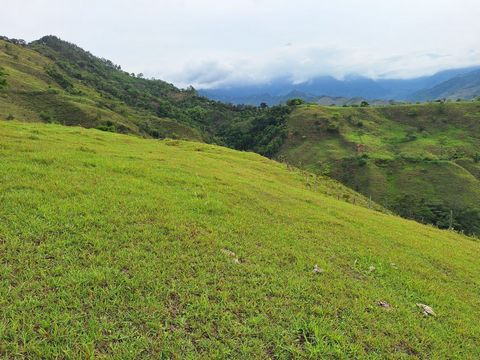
(210, 43)
(300, 63)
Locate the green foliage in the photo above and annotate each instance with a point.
(295, 102)
(476, 157)
(58, 78)
(45, 116)
(263, 133)
(94, 92)
(364, 104)
(3, 80)
(423, 210)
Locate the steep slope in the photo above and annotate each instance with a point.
(119, 247)
(421, 161)
(465, 86)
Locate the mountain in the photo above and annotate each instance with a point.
(465, 86)
(279, 90)
(412, 159)
(114, 246)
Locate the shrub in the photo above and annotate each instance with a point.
(58, 78)
(3, 81)
(332, 126)
(108, 128)
(45, 117)
(412, 113)
(295, 102)
(476, 157)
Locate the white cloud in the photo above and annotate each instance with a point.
(212, 42)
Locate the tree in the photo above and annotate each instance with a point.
(295, 102)
(364, 104)
(3, 81)
(476, 157)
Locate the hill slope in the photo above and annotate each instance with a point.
(51, 80)
(422, 161)
(39, 90)
(119, 247)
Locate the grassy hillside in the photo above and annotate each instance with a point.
(114, 246)
(422, 161)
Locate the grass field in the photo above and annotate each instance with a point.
(112, 246)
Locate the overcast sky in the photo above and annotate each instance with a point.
(210, 43)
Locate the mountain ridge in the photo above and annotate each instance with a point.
(362, 87)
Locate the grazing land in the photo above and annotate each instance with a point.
(113, 246)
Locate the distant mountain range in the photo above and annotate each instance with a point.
(461, 83)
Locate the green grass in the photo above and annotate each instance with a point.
(114, 246)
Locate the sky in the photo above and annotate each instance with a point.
(221, 43)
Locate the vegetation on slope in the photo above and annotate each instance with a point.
(56, 81)
(402, 151)
(421, 161)
(119, 247)
(3, 80)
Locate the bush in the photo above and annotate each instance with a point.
(3, 80)
(45, 117)
(412, 113)
(295, 102)
(108, 128)
(10, 117)
(476, 158)
(58, 78)
(332, 126)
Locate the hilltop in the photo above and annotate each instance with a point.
(114, 246)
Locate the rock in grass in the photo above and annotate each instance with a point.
(230, 253)
(426, 310)
(317, 270)
(384, 305)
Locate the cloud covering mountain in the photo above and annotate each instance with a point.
(211, 43)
